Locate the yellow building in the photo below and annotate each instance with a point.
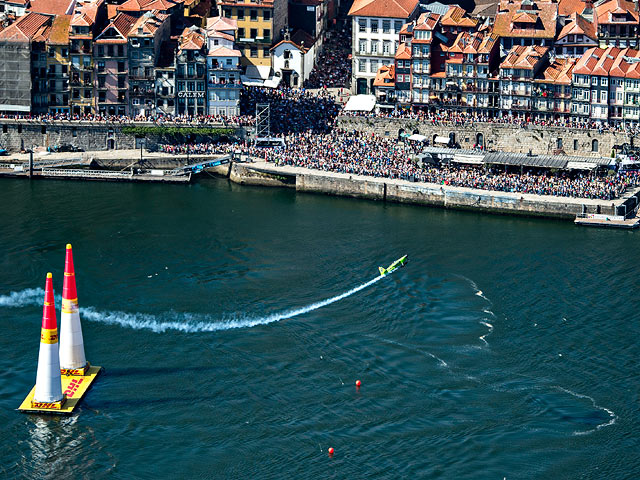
(57, 46)
(261, 25)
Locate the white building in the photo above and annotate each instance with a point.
(292, 62)
(223, 67)
(376, 28)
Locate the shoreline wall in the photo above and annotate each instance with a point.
(17, 135)
(419, 194)
(502, 137)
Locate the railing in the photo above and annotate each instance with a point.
(63, 172)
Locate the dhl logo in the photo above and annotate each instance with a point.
(47, 406)
(69, 306)
(73, 387)
(72, 372)
(49, 336)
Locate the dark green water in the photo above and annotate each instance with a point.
(507, 347)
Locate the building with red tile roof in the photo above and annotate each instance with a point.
(576, 37)
(617, 23)
(526, 22)
(552, 90)
(456, 20)
(191, 77)
(376, 26)
(517, 72)
(52, 7)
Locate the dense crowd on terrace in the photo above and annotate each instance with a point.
(333, 69)
(360, 154)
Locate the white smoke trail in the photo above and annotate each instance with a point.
(189, 323)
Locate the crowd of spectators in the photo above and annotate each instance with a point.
(370, 155)
(333, 68)
(293, 110)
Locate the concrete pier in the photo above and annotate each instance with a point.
(403, 191)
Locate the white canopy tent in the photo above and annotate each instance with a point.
(360, 103)
(418, 138)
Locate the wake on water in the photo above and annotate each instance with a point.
(189, 323)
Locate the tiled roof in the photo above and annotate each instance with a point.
(86, 14)
(605, 12)
(60, 30)
(485, 9)
(456, 16)
(302, 38)
(403, 52)
(145, 5)
(150, 22)
(427, 21)
(383, 8)
(31, 23)
(225, 52)
(122, 24)
(385, 77)
(614, 62)
(192, 38)
(53, 7)
(523, 57)
(557, 72)
(221, 24)
(569, 7)
(578, 25)
(510, 21)
(292, 43)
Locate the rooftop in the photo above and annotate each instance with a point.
(526, 19)
(383, 8)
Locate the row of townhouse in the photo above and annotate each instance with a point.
(534, 59)
(150, 57)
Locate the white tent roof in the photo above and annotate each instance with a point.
(360, 103)
(417, 137)
(581, 166)
(258, 72)
(441, 139)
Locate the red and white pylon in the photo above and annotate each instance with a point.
(48, 379)
(72, 358)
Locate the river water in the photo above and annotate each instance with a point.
(232, 323)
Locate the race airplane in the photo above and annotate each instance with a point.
(394, 266)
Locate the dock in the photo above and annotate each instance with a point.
(607, 221)
(132, 175)
(74, 388)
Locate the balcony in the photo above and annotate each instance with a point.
(225, 85)
(150, 78)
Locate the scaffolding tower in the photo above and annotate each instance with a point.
(262, 135)
(15, 75)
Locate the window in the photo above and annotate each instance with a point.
(386, 47)
(362, 47)
(241, 14)
(397, 26)
(362, 66)
(266, 33)
(374, 26)
(559, 144)
(254, 52)
(373, 68)
(266, 52)
(374, 46)
(253, 15)
(253, 33)
(266, 14)
(386, 26)
(241, 33)
(362, 25)
(575, 144)
(604, 81)
(594, 80)
(603, 96)
(594, 146)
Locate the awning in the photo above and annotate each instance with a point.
(258, 72)
(440, 139)
(418, 138)
(468, 159)
(581, 165)
(360, 103)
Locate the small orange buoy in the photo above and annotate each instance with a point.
(330, 451)
(358, 383)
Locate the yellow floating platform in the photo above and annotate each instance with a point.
(73, 388)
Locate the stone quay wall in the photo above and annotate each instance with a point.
(401, 191)
(17, 135)
(502, 137)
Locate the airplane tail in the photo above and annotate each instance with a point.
(382, 270)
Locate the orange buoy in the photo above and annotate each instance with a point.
(358, 383)
(330, 451)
